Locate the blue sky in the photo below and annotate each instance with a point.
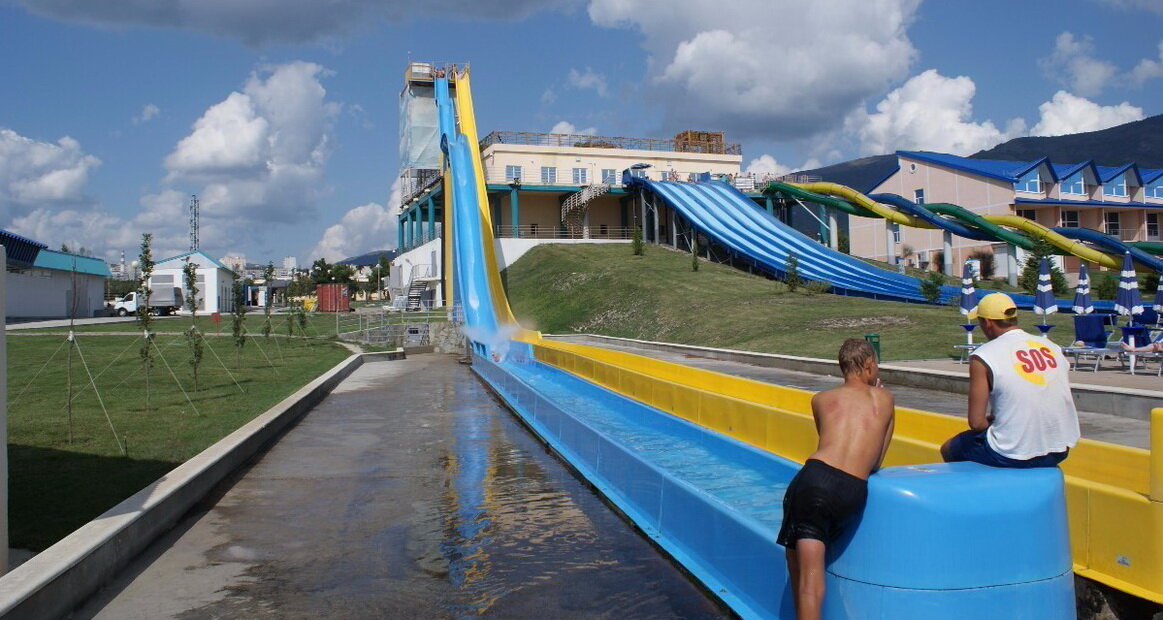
(281, 115)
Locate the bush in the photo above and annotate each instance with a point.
(636, 243)
(1028, 279)
(1149, 283)
(843, 243)
(938, 261)
(931, 286)
(817, 287)
(1104, 285)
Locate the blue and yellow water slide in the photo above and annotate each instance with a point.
(699, 461)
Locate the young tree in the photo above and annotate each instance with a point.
(695, 254)
(793, 273)
(268, 276)
(1029, 276)
(238, 318)
(636, 243)
(385, 270)
(145, 265)
(193, 336)
(931, 286)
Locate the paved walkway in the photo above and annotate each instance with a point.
(410, 492)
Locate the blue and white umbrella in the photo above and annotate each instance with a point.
(1044, 302)
(1128, 301)
(1159, 299)
(968, 293)
(1082, 302)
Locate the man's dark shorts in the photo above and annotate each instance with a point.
(819, 502)
(972, 446)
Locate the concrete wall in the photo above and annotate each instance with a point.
(47, 293)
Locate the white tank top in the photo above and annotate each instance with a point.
(1033, 412)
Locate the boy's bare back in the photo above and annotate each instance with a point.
(855, 424)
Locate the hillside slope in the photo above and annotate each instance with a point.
(604, 289)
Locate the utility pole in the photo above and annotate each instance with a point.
(193, 222)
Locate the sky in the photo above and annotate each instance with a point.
(282, 115)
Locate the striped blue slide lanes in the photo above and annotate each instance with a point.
(730, 218)
(832, 261)
(754, 239)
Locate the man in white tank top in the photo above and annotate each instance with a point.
(1021, 413)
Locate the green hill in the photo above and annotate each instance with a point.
(604, 289)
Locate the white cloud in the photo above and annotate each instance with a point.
(1148, 68)
(1067, 114)
(587, 80)
(548, 97)
(768, 68)
(148, 112)
(1073, 63)
(279, 21)
(567, 127)
(36, 174)
(362, 229)
(93, 229)
(258, 157)
(930, 112)
(767, 166)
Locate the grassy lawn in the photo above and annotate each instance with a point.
(58, 483)
(604, 289)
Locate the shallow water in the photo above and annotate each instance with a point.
(409, 492)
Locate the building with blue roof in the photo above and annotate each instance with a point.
(1124, 201)
(215, 281)
(47, 284)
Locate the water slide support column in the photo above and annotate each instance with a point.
(769, 205)
(431, 218)
(833, 230)
(1011, 264)
(673, 228)
(399, 233)
(515, 208)
(654, 209)
(823, 218)
(947, 254)
(889, 243)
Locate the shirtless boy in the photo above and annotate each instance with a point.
(855, 424)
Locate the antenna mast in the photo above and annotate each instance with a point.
(193, 222)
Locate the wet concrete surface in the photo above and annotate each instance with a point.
(1103, 426)
(409, 492)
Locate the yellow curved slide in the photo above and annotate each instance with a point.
(1077, 248)
(843, 191)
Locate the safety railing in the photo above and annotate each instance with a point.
(533, 231)
(531, 138)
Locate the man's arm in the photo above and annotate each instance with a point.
(888, 432)
(978, 394)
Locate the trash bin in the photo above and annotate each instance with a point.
(873, 338)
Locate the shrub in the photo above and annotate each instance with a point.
(1029, 276)
(931, 286)
(986, 260)
(636, 243)
(816, 287)
(793, 273)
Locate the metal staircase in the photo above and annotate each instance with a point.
(421, 276)
(573, 209)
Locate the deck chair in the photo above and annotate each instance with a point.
(1090, 331)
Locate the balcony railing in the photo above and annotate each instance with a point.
(529, 138)
(560, 232)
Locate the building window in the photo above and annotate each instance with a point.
(1111, 219)
(609, 176)
(1070, 219)
(512, 173)
(1029, 214)
(896, 232)
(1153, 226)
(548, 175)
(919, 196)
(579, 176)
(1074, 185)
(1029, 182)
(1116, 186)
(603, 230)
(533, 230)
(1155, 189)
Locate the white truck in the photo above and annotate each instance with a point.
(163, 301)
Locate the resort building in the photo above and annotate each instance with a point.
(1122, 201)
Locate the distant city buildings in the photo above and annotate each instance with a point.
(236, 262)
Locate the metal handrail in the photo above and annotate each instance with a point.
(530, 231)
(531, 138)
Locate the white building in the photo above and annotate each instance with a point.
(46, 284)
(215, 281)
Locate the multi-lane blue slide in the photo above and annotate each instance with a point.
(712, 501)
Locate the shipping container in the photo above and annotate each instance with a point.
(333, 298)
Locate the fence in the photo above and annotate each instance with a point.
(533, 231)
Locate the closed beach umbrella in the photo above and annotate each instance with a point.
(1128, 301)
(1082, 302)
(968, 294)
(1159, 299)
(1044, 302)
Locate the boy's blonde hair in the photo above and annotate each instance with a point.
(853, 354)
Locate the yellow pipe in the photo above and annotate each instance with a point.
(1076, 248)
(835, 189)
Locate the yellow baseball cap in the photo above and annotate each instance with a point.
(995, 306)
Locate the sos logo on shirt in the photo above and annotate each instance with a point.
(1034, 359)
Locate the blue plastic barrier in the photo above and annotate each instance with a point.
(950, 541)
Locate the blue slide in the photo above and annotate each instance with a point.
(1108, 242)
(958, 228)
(730, 218)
